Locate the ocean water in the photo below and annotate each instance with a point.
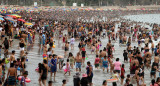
(34, 57)
(145, 18)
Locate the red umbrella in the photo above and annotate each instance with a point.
(21, 20)
(12, 16)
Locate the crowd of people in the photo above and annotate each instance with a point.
(53, 25)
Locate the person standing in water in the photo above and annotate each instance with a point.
(66, 48)
(78, 60)
(44, 72)
(83, 55)
(122, 74)
(72, 43)
(71, 60)
(105, 63)
(6, 47)
(54, 66)
(11, 76)
(23, 79)
(89, 73)
(96, 62)
(117, 65)
(67, 67)
(12, 57)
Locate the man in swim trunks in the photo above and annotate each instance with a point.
(12, 57)
(11, 76)
(78, 62)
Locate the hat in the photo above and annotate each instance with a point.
(84, 75)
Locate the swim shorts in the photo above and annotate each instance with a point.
(78, 64)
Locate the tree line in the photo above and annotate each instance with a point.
(79, 2)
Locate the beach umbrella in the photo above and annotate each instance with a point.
(18, 16)
(46, 25)
(28, 24)
(10, 19)
(1, 18)
(4, 14)
(12, 16)
(21, 20)
(143, 9)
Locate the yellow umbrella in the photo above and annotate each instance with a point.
(90, 33)
(27, 23)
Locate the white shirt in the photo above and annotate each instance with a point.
(1, 29)
(72, 40)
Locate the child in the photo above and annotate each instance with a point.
(45, 56)
(128, 77)
(125, 55)
(122, 74)
(104, 35)
(83, 54)
(105, 63)
(64, 82)
(93, 48)
(96, 63)
(25, 74)
(49, 83)
(67, 67)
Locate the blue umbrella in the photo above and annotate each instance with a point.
(4, 14)
(1, 18)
